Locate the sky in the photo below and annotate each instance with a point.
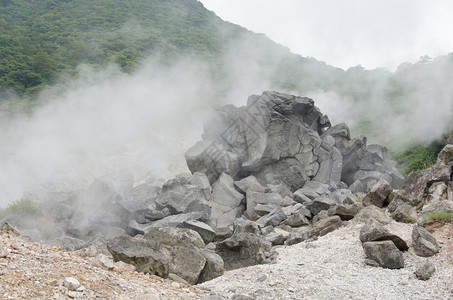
(346, 33)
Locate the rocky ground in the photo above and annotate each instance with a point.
(331, 267)
(38, 271)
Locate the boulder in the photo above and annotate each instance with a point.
(371, 212)
(345, 212)
(181, 237)
(204, 230)
(211, 158)
(373, 231)
(321, 203)
(179, 196)
(378, 194)
(385, 254)
(424, 243)
(262, 209)
(274, 218)
(226, 203)
(255, 198)
(405, 213)
(324, 226)
(178, 220)
(244, 249)
(252, 184)
(298, 236)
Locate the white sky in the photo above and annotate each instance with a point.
(345, 33)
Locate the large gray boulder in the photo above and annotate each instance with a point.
(385, 254)
(373, 231)
(226, 203)
(165, 251)
(178, 195)
(424, 243)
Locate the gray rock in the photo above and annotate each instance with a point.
(243, 249)
(181, 237)
(214, 267)
(226, 203)
(213, 297)
(244, 225)
(385, 253)
(322, 215)
(345, 212)
(252, 184)
(378, 194)
(326, 225)
(296, 220)
(178, 220)
(425, 270)
(275, 217)
(288, 201)
(255, 198)
(147, 215)
(262, 209)
(424, 243)
(242, 297)
(205, 231)
(321, 203)
(373, 231)
(68, 243)
(211, 158)
(179, 196)
(201, 181)
(298, 236)
(405, 213)
(371, 212)
(146, 193)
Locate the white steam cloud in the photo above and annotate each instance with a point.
(106, 121)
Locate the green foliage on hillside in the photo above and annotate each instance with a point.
(41, 38)
(418, 157)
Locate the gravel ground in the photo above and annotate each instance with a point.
(332, 267)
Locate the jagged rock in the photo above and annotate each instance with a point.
(297, 219)
(262, 209)
(181, 237)
(71, 283)
(205, 231)
(242, 297)
(135, 228)
(378, 194)
(244, 225)
(226, 203)
(201, 181)
(298, 236)
(322, 215)
(277, 236)
(212, 159)
(254, 198)
(146, 193)
(275, 217)
(405, 213)
(313, 189)
(107, 231)
(178, 220)
(373, 231)
(163, 251)
(288, 201)
(252, 184)
(281, 189)
(425, 270)
(68, 243)
(324, 226)
(345, 212)
(214, 267)
(424, 243)
(385, 253)
(243, 249)
(321, 203)
(371, 212)
(147, 215)
(179, 196)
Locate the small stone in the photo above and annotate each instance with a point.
(3, 254)
(425, 270)
(72, 294)
(262, 278)
(71, 283)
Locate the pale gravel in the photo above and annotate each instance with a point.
(333, 267)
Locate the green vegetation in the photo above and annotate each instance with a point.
(418, 157)
(23, 207)
(438, 217)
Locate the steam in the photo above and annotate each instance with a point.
(106, 120)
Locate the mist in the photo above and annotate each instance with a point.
(106, 121)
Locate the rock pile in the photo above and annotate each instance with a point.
(271, 173)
